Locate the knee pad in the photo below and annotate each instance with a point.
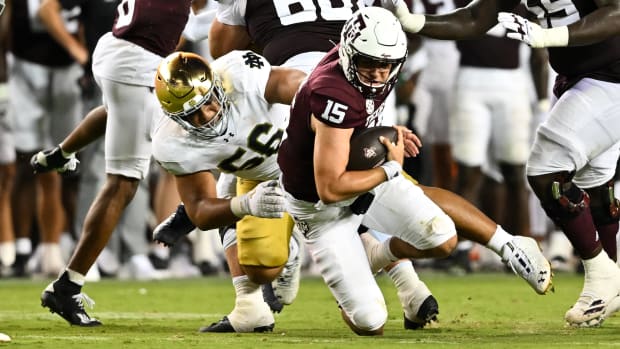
(604, 206)
(565, 201)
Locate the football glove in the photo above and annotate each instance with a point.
(266, 200)
(532, 34)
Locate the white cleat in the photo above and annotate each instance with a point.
(286, 286)
(248, 316)
(523, 255)
(600, 296)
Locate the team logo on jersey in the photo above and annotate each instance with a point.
(253, 60)
(370, 106)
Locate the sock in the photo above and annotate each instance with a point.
(498, 240)
(76, 277)
(379, 254)
(244, 288)
(607, 235)
(406, 281)
(23, 246)
(7, 253)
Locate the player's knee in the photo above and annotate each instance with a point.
(561, 199)
(261, 275)
(445, 249)
(370, 318)
(604, 206)
(122, 185)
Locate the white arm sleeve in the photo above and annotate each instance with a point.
(198, 25)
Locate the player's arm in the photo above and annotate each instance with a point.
(49, 13)
(282, 84)
(224, 38)
(599, 25)
(205, 210)
(331, 154)
(467, 22)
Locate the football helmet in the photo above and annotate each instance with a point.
(373, 33)
(185, 82)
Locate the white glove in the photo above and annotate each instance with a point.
(411, 22)
(266, 200)
(1, 6)
(532, 34)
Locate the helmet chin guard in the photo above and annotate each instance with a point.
(373, 33)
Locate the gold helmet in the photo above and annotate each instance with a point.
(184, 83)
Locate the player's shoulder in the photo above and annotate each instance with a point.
(242, 71)
(329, 81)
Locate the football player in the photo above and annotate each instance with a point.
(217, 119)
(573, 159)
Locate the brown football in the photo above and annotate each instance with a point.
(366, 150)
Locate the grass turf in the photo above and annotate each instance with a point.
(479, 310)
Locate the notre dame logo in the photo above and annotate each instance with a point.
(253, 60)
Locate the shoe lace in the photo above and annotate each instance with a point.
(82, 299)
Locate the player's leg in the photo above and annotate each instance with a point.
(572, 152)
(251, 313)
(7, 176)
(130, 108)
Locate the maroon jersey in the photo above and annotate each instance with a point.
(490, 51)
(284, 29)
(155, 25)
(599, 61)
(329, 96)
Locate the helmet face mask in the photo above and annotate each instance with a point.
(184, 84)
(372, 33)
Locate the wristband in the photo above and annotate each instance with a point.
(392, 169)
(556, 37)
(235, 207)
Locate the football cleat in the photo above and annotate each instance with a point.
(427, 313)
(600, 296)
(523, 255)
(248, 316)
(224, 326)
(271, 299)
(173, 228)
(286, 285)
(53, 160)
(65, 299)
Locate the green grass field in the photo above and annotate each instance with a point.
(476, 311)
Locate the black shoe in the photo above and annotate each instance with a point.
(53, 160)
(207, 269)
(19, 266)
(64, 298)
(271, 299)
(173, 228)
(158, 262)
(428, 312)
(224, 326)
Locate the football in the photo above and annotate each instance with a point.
(366, 151)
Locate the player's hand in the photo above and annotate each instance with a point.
(396, 152)
(530, 33)
(266, 200)
(412, 142)
(173, 228)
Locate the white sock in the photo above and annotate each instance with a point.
(7, 253)
(406, 281)
(23, 246)
(76, 277)
(379, 254)
(600, 264)
(244, 288)
(498, 240)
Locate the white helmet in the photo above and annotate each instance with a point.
(374, 33)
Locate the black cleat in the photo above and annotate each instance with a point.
(173, 228)
(53, 160)
(65, 299)
(224, 326)
(428, 312)
(271, 299)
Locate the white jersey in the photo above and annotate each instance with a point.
(249, 147)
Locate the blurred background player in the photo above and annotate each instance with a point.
(124, 64)
(44, 93)
(7, 154)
